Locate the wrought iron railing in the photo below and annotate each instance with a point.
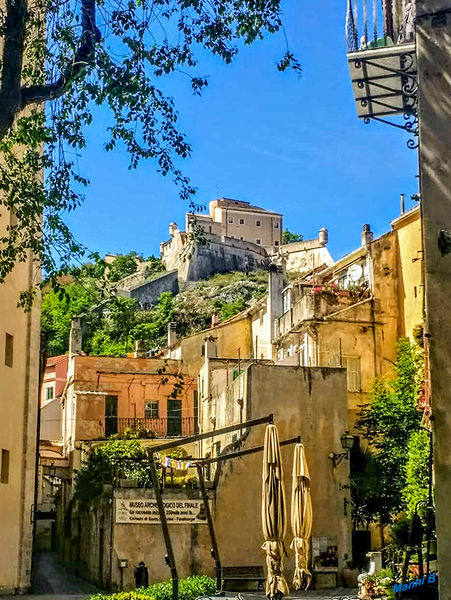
(372, 23)
(149, 428)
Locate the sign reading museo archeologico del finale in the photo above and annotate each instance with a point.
(181, 510)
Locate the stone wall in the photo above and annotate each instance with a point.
(96, 542)
(148, 292)
(221, 255)
(310, 402)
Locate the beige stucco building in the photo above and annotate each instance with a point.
(19, 376)
(352, 313)
(240, 220)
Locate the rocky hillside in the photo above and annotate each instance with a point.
(113, 324)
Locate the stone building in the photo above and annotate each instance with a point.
(236, 236)
(124, 528)
(108, 396)
(19, 394)
(240, 220)
(305, 401)
(352, 313)
(348, 314)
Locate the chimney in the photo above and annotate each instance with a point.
(75, 337)
(323, 236)
(402, 204)
(366, 236)
(172, 334)
(214, 319)
(275, 301)
(140, 349)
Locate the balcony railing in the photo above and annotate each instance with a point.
(148, 428)
(382, 61)
(373, 24)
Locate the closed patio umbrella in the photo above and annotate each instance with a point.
(301, 518)
(273, 514)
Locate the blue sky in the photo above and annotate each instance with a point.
(288, 144)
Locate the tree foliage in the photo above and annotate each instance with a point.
(391, 424)
(112, 324)
(78, 55)
(122, 266)
(417, 471)
(117, 458)
(288, 237)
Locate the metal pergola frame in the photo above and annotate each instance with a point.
(170, 558)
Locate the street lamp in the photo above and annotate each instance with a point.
(347, 443)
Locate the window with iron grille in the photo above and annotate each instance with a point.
(151, 410)
(9, 349)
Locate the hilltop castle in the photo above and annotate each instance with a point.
(236, 236)
(233, 236)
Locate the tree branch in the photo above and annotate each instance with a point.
(83, 57)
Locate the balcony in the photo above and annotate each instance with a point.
(382, 62)
(317, 303)
(147, 428)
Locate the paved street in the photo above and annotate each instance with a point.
(51, 581)
(333, 594)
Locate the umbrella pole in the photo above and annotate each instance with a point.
(211, 528)
(170, 559)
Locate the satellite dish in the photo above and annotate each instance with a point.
(355, 273)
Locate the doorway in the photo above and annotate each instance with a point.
(110, 415)
(174, 418)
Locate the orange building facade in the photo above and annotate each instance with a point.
(107, 396)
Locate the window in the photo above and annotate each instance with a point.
(9, 348)
(230, 219)
(49, 392)
(4, 472)
(276, 225)
(151, 410)
(258, 241)
(352, 364)
(242, 238)
(241, 221)
(276, 243)
(258, 223)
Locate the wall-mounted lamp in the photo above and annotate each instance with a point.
(347, 443)
(122, 564)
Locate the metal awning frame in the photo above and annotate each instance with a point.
(200, 463)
